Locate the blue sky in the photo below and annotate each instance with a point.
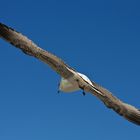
(98, 38)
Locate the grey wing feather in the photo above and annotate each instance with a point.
(28, 47)
(129, 112)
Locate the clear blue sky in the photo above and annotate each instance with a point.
(99, 38)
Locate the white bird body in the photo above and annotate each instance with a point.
(70, 84)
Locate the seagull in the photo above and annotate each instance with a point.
(71, 79)
(70, 85)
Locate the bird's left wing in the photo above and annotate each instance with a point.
(28, 47)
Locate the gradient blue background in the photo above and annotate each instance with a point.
(99, 38)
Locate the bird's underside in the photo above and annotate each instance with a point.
(28, 47)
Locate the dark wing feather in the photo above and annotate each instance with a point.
(27, 46)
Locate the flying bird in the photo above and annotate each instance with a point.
(71, 79)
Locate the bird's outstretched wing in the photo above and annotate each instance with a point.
(128, 111)
(28, 47)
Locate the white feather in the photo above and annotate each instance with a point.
(70, 85)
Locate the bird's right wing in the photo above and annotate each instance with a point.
(129, 112)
